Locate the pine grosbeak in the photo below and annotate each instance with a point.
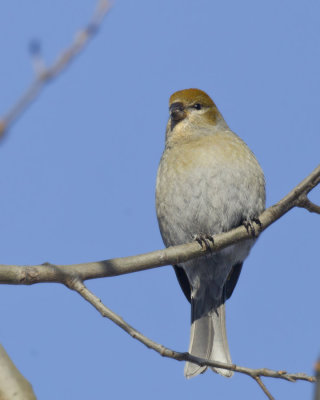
(208, 182)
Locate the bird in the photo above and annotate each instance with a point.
(208, 182)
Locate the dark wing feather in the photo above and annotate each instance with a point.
(229, 286)
(183, 281)
(232, 280)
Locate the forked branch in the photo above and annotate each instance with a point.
(73, 276)
(256, 374)
(28, 275)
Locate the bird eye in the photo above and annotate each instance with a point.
(197, 106)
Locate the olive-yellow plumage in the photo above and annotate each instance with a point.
(208, 182)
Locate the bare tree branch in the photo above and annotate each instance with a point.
(304, 202)
(84, 292)
(74, 275)
(263, 387)
(13, 385)
(27, 275)
(45, 75)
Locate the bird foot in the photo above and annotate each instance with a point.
(248, 224)
(206, 241)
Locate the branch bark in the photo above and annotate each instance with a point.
(73, 276)
(13, 385)
(264, 388)
(28, 275)
(78, 286)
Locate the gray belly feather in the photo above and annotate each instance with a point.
(208, 197)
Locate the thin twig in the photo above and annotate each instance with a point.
(78, 286)
(63, 61)
(263, 387)
(27, 275)
(73, 276)
(304, 202)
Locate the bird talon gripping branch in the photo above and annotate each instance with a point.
(202, 186)
(249, 227)
(258, 222)
(206, 241)
(248, 224)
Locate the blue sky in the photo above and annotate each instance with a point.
(77, 175)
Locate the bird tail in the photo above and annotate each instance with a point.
(209, 340)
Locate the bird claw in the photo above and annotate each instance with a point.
(206, 241)
(248, 224)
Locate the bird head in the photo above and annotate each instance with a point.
(191, 113)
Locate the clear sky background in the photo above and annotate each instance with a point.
(77, 176)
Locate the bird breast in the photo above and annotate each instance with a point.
(207, 185)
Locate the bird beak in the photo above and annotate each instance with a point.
(177, 112)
